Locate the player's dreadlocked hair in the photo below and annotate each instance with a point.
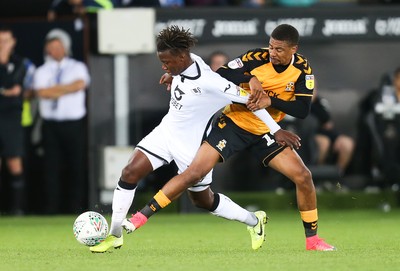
(175, 39)
(286, 32)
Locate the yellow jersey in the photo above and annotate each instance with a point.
(286, 84)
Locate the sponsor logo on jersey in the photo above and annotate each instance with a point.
(235, 64)
(178, 93)
(176, 104)
(310, 82)
(221, 145)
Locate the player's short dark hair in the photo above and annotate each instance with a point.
(175, 39)
(286, 32)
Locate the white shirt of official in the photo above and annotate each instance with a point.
(70, 106)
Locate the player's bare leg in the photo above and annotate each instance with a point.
(289, 163)
(137, 168)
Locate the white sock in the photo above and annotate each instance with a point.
(122, 201)
(232, 211)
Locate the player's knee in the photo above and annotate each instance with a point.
(201, 203)
(303, 177)
(130, 174)
(204, 199)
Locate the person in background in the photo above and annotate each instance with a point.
(150, 3)
(77, 7)
(60, 83)
(217, 59)
(329, 141)
(12, 73)
(379, 132)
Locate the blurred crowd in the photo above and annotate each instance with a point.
(79, 7)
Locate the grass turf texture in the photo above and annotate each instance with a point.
(366, 240)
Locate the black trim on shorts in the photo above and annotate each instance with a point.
(155, 155)
(271, 156)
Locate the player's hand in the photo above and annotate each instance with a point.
(256, 90)
(286, 138)
(263, 102)
(166, 79)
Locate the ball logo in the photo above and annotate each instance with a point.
(97, 223)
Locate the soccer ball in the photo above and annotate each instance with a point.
(90, 228)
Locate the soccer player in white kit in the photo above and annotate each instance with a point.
(197, 93)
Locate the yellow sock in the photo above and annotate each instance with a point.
(162, 199)
(159, 201)
(310, 222)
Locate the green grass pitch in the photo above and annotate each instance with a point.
(366, 240)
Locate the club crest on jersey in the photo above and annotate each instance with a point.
(196, 90)
(221, 145)
(289, 86)
(310, 82)
(235, 64)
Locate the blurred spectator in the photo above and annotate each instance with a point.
(60, 84)
(149, 3)
(217, 59)
(322, 144)
(295, 3)
(12, 72)
(379, 131)
(331, 144)
(77, 7)
(207, 3)
(254, 3)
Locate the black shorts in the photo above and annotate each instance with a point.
(11, 136)
(228, 138)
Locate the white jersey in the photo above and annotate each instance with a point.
(196, 95)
